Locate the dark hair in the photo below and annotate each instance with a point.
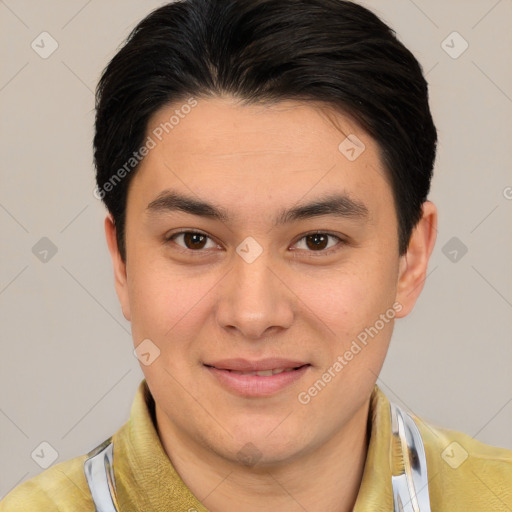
(331, 51)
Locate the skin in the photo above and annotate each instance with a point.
(294, 301)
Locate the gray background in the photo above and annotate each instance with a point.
(67, 371)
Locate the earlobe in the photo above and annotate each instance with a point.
(413, 264)
(119, 266)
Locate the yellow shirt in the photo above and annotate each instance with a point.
(147, 482)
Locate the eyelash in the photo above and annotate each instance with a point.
(202, 252)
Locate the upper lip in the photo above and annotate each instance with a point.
(244, 365)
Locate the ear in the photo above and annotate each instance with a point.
(119, 265)
(413, 264)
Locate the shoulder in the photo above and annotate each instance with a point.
(466, 474)
(61, 488)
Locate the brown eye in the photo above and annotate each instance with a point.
(191, 240)
(194, 240)
(319, 242)
(316, 241)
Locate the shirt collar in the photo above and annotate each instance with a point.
(376, 493)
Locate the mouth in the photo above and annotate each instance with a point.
(257, 379)
(261, 373)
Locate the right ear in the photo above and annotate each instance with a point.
(119, 265)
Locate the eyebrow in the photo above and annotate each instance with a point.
(337, 205)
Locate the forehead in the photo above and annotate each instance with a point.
(225, 126)
(242, 153)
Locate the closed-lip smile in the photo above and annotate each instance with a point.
(259, 378)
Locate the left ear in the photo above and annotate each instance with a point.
(413, 264)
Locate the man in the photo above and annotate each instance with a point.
(266, 166)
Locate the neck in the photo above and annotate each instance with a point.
(326, 478)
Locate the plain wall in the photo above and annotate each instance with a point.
(67, 371)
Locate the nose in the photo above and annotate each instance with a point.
(254, 300)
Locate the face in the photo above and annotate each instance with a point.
(254, 242)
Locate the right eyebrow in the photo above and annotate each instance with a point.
(170, 200)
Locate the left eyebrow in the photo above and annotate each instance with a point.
(338, 205)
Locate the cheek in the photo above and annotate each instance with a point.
(157, 300)
(349, 300)
(167, 306)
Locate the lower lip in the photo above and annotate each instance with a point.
(256, 385)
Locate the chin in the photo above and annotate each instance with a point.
(259, 450)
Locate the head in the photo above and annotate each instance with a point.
(265, 165)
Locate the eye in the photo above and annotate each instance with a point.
(318, 242)
(191, 240)
(195, 241)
